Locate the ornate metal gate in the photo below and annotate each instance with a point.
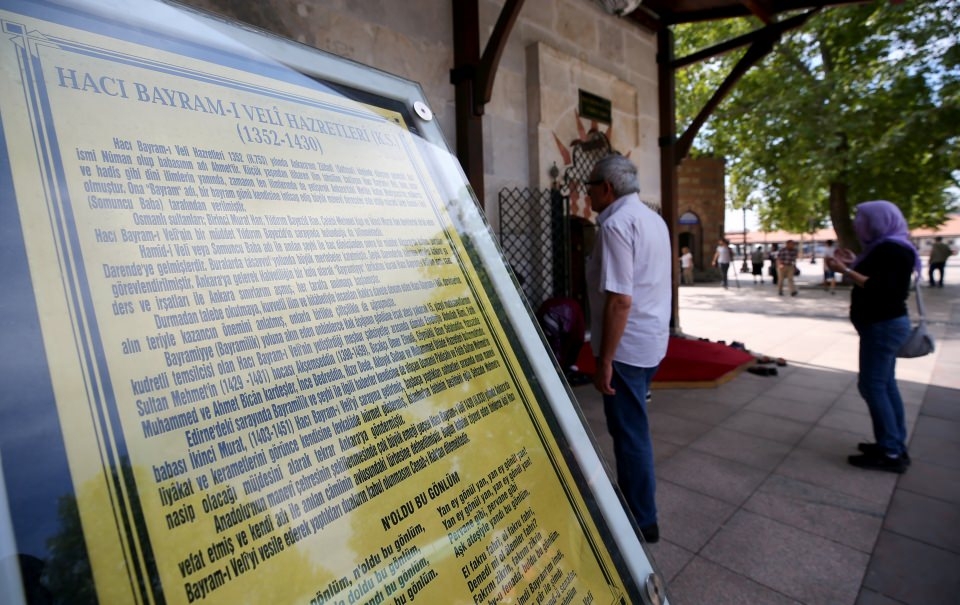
(534, 238)
(542, 237)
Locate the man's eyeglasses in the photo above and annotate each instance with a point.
(594, 182)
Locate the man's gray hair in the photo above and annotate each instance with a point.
(620, 172)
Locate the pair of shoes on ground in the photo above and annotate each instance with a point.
(873, 458)
(780, 361)
(794, 293)
(650, 533)
(761, 371)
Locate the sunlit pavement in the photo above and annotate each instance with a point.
(757, 503)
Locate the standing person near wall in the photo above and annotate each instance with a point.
(630, 288)
(756, 260)
(878, 311)
(829, 275)
(722, 259)
(686, 267)
(787, 267)
(939, 254)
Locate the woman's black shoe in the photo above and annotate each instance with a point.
(880, 462)
(874, 449)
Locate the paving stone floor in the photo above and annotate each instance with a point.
(757, 502)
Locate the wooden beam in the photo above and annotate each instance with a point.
(759, 50)
(472, 77)
(487, 70)
(775, 29)
(666, 85)
(469, 124)
(763, 43)
(718, 49)
(760, 10)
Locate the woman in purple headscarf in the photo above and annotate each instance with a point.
(878, 310)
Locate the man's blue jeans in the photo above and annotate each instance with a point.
(877, 383)
(626, 413)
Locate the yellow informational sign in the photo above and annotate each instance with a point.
(280, 374)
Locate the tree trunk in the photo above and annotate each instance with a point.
(840, 215)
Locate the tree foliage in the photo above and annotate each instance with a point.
(861, 103)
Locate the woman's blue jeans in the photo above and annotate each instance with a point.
(626, 413)
(877, 383)
(724, 267)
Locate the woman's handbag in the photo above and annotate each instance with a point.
(920, 342)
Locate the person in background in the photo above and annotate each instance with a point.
(629, 279)
(772, 257)
(756, 260)
(686, 266)
(722, 259)
(939, 254)
(878, 310)
(787, 267)
(829, 275)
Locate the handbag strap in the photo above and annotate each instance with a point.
(920, 309)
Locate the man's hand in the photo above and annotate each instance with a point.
(835, 265)
(603, 376)
(616, 308)
(844, 255)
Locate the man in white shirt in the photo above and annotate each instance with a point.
(686, 267)
(630, 288)
(722, 259)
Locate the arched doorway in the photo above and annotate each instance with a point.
(690, 235)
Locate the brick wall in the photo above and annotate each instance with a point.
(701, 192)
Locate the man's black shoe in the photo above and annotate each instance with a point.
(874, 449)
(878, 463)
(650, 533)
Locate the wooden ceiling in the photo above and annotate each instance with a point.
(655, 14)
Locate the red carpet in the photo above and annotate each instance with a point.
(689, 364)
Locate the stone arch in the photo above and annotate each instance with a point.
(690, 234)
